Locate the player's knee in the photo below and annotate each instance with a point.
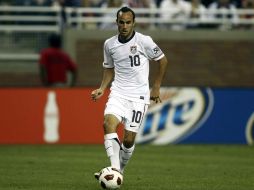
(129, 139)
(106, 126)
(128, 143)
(109, 126)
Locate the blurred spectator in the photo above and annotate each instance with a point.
(95, 3)
(63, 4)
(71, 3)
(139, 3)
(22, 2)
(177, 11)
(199, 13)
(206, 3)
(5, 3)
(33, 2)
(157, 3)
(247, 4)
(4, 12)
(40, 3)
(142, 4)
(105, 25)
(224, 11)
(56, 67)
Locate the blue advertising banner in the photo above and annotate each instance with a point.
(200, 115)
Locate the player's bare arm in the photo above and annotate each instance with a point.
(155, 91)
(108, 75)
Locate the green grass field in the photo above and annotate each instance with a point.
(175, 167)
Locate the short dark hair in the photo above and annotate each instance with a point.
(55, 40)
(124, 10)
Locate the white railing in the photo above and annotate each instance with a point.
(16, 18)
(34, 24)
(19, 57)
(78, 16)
(37, 20)
(152, 16)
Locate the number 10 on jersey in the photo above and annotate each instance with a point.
(135, 60)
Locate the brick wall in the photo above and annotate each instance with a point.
(192, 63)
(215, 63)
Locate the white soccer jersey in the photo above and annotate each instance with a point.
(130, 61)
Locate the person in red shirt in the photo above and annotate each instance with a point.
(57, 69)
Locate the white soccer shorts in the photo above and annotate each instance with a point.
(130, 113)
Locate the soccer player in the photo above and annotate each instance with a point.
(126, 63)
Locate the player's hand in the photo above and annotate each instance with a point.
(155, 95)
(156, 99)
(96, 94)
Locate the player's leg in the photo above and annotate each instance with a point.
(111, 140)
(113, 114)
(136, 112)
(128, 147)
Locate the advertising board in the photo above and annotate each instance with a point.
(69, 116)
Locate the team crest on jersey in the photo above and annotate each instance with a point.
(133, 49)
(156, 50)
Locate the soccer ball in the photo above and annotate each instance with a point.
(110, 178)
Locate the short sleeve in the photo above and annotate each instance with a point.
(108, 61)
(152, 49)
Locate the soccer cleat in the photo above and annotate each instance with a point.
(97, 175)
(117, 170)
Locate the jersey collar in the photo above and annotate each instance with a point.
(125, 41)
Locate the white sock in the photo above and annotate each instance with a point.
(125, 155)
(112, 146)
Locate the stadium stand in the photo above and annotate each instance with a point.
(24, 30)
